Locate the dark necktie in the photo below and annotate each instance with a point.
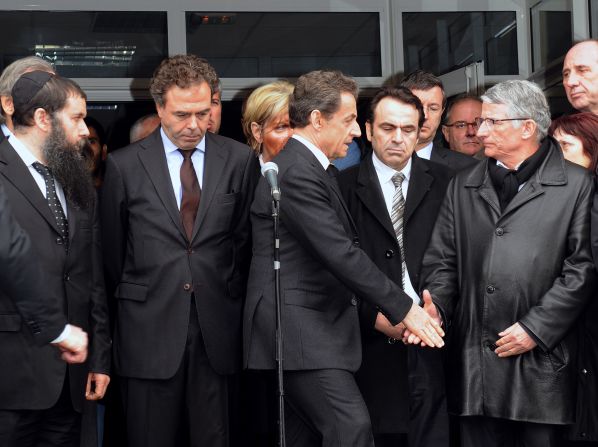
(332, 171)
(53, 202)
(191, 192)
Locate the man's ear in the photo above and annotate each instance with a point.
(528, 130)
(445, 132)
(7, 105)
(368, 131)
(316, 119)
(42, 119)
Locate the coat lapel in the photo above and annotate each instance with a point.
(479, 179)
(420, 183)
(153, 159)
(332, 183)
(369, 192)
(214, 163)
(15, 171)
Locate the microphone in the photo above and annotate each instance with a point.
(270, 172)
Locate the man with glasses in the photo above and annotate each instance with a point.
(430, 91)
(459, 128)
(509, 269)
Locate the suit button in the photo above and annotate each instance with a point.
(190, 251)
(67, 277)
(584, 371)
(356, 241)
(490, 289)
(354, 301)
(59, 241)
(499, 231)
(187, 287)
(389, 254)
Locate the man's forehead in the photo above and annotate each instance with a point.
(583, 53)
(389, 109)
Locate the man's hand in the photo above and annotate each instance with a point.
(432, 311)
(514, 341)
(96, 386)
(383, 325)
(422, 328)
(74, 347)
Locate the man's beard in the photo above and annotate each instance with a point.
(68, 166)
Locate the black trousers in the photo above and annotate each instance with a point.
(484, 431)
(428, 414)
(191, 408)
(57, 426)
(325, 408)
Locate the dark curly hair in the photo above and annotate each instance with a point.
(182, 70)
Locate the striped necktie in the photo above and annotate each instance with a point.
(398, 209)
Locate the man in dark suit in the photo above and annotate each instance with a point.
(175, 209)
(430, 91)
(50, 192)
(322, 269)
(7, 80)
(22, 280)
(399, 398)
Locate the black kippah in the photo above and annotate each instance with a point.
(27, 87)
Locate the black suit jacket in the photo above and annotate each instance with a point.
(33, 375)
(21, 280)
(382, 377)
(152, 269)
(453, 159)
(322, 268)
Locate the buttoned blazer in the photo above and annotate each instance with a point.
(33, 374)
(153, 270)
(322, 269)
(383, 376)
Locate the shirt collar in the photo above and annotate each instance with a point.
(385, 172)
(20, 148)
(170, 147)
(426, 151)
(6, 131)
(502, 165)
(314, 150)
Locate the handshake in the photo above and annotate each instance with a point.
(421, 326)
(74, 345)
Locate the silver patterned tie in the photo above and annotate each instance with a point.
(398, 209)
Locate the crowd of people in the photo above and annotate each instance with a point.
(437, 291)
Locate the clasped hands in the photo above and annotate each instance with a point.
(514, 339)
(419, 324)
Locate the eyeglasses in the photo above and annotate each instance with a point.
(461, 125)
(490, 122)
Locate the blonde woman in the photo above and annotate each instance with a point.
(266, 119)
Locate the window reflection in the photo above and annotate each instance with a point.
(87, 44)
(444, 41)
(272, 44)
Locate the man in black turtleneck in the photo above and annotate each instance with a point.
(509, 269)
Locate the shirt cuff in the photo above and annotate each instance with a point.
(63, 335)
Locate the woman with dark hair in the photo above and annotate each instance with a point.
(578, 136)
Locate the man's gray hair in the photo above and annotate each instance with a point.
(18, 68)
(524, 99)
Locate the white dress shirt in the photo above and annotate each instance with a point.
(385, 174)
(6, 131)
(174, 159)
(426, 151)
(314, 150)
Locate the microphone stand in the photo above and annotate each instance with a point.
(279, 341)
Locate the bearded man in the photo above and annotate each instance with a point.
(50, 192)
